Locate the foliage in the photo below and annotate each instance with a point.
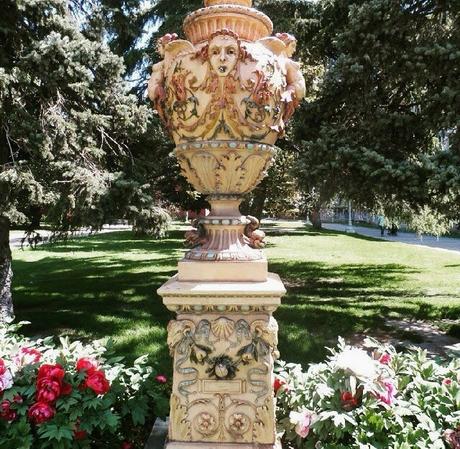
(151, 222)
(358, 401)
(384, 96)
(67, 117)
(70, 127)
(428, 221)
(73, 395)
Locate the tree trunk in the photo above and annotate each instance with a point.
(6, 273)
(257, 205)
(315, 217)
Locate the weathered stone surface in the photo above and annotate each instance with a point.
(225, 96)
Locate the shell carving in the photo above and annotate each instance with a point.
(222, 328)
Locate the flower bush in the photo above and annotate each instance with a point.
(374, 399)
(73, 395)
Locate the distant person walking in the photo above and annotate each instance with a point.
(381, 223)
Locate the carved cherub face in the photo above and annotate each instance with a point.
(223, 54)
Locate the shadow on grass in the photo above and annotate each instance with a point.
(325, 301)
(89, 295)
(106, 286)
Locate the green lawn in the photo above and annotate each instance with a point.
(338, 284)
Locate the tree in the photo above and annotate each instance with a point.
(390, 85)
(67, 122)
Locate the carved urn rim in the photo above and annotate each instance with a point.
(223, 10)
(228, 2)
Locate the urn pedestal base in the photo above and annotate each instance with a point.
(224, 343)
(244, 271)
(200, 445)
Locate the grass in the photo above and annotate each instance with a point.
(338, 284)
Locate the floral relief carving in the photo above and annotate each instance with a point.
(264, 427)
(180, 428)
(222, 418)
(222, 89)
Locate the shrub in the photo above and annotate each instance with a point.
(151, 222)
(376, 399)
(74, 395)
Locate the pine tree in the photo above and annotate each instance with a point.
(67, 122)
(390, 85)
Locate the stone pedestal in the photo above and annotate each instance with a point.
(225, 95)
(224, 343)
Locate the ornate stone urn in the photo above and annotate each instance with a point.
(225, 95)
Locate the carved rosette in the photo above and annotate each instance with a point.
(222, 388)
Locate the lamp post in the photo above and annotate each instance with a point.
(350, 229)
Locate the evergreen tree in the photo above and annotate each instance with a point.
(67, 123)
(389, 86)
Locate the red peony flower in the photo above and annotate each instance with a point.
(86, 364)
(66, 389)
(97, 382)
(41, 412)
(2, 367)
(48, 390)
(127, 445)
(349, 402)
(385, 359)
(161, 379)
(277, 384)
(6, 413)
(54, 372)
(79, 434)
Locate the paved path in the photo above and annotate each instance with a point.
(16, 236)
(446, 243)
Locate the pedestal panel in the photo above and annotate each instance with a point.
(224, 343)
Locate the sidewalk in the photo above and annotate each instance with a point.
(445, 243)
(16, 236)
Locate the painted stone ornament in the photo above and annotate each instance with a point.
(225, 95)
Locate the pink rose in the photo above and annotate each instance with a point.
(447, 382)
(161, 379)
(41, 412)
(389, 396)
(97, 382)
(303, 421)
(2, 367)
(385, 359)
(6, 379)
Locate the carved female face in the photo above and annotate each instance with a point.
(223, 54)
